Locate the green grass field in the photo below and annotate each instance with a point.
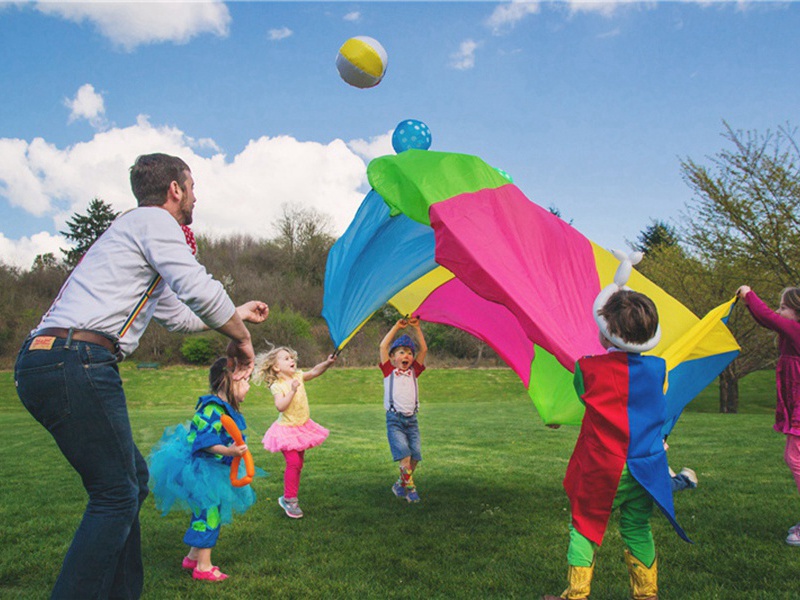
(493, 518)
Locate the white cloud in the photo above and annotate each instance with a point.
(21, 253)
(380, 145)
(130, 24)
(243, 194)
(507, 15)
(87, 104)
(352, 16)
(279, 34)
(603, 7)
(465, 57)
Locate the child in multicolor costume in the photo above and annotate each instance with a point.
(293, 432)
(786, 322)
(619, 461)
(190, 470)
(401, 364)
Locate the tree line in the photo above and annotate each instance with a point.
(740, 226)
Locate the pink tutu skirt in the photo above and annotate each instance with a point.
(300, 437)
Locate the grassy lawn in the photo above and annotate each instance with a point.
(493, 518)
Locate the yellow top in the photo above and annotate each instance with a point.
(297, 412)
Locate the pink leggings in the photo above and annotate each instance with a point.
(792, 457)
(291, 476)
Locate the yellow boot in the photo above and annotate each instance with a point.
(579, 582)
(644, 580)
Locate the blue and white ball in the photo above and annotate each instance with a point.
(411, 135)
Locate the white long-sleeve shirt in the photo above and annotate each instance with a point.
(104, 288)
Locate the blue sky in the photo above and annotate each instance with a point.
(588, 105)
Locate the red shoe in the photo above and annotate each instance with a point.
(213, 575)
(188, 563)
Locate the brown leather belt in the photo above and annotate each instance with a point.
(81, 335)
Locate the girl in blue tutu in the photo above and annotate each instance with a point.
(190, 470)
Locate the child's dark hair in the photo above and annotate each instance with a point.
(631, 316)
(790, 296)
(220, 382)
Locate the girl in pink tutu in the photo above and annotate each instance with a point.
(294, 431)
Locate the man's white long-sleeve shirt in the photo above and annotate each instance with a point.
(106, 286)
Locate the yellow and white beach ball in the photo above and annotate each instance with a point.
(361, 62)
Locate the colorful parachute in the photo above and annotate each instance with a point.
(447, 238)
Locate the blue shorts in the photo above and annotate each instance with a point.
(403, 434)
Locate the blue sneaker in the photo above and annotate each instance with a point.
(398, 490)
(412, 495)
(291, 507)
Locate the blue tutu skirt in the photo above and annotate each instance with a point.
(180, 481)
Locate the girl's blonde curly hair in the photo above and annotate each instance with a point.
(264, 371)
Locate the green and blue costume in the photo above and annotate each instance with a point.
(184, 476)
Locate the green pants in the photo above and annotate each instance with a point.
(635, 507)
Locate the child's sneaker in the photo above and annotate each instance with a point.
(412, 495)
(794, 528)
(398, 490)
(291, 507)
(793, 539)
(690, 475)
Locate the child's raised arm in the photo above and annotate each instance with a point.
(319, 369)
(765, 316)
(387, 339)
(422, 351)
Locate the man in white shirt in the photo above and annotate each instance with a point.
(67, 377)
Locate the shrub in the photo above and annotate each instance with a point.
(198, 350)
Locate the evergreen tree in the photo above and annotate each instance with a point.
(83, 230)
(656, 235)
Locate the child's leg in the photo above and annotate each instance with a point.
(580, 560)
(636, 507)
(581, 550)
(792, 457)
(203, 558)
(291, 476)
(202, 536)
(414, 454)
(407, 473)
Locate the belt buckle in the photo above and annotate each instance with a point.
(117, 351)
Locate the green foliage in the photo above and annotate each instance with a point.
(45, 261)
(554, 210)
(285, 327)
(304, 235)
(742, 227)
(746, 206)
(656, 235)
(446, 339)
(199, 350)
(83, 230)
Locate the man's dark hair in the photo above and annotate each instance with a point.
(631, 316)
(152, 174)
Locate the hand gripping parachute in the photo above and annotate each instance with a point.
(445, 237)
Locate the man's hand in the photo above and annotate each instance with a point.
(254, 311)
(241, 359)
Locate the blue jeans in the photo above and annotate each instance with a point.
(74, 390)
(680, 482)
(403, 434)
